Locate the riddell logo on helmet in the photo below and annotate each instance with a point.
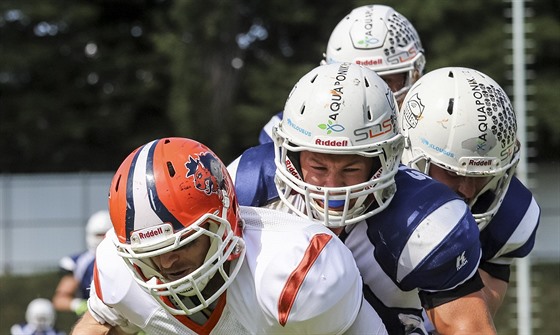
(331, 143)
(292, 169)
(370, 62)
(150, 233)
(480, 162)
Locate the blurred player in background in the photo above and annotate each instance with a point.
(460, 128)
(40, 317)
(184, 258)
(377, 37)
(72, 290)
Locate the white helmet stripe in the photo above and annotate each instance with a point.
(138, 199)
(428, 236)
(157, 206)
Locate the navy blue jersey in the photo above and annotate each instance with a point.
(265, 136)
(391, 231)
(511, 232)
(254, 178)
(425, 240)
(81, 267)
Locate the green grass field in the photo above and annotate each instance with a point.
(17, 291)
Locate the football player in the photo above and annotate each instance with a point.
(40, 318)
(72, 290)
(460, 128)
(184, 258)
(377, 37)
(335, 159)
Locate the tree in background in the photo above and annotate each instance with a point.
(83, 82)
(80, 83)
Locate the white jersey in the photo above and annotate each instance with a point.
(296, 278)
(385, 289)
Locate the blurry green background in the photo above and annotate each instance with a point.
(16, 292)
(83, 82)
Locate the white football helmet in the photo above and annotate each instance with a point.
(40, 313)
(98, 224)
(461, 120)
(343, 109)
(380, 38)
(164, 196)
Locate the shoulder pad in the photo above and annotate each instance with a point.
(254, 182)
(512, 231)
(426, 238)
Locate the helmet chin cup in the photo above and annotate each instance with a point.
(335, 203)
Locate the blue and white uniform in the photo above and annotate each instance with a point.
(29, 329)
(424, 244)
(80, 266)
(265, 135)
(511, 232)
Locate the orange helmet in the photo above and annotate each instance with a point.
(164, 195)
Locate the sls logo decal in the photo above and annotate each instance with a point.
(413, 111)
(206, 172)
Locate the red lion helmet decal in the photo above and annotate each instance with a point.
(207, 173)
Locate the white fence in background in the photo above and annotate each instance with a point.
(43, 217)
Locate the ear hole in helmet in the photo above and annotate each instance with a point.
(170, 169)
(376, 166)
(416, 74)
(302, 110)
(366, 82)
(450, 74)
(450, 106)
(313, 79)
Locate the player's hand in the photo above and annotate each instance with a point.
(79, 306)
(413, 324)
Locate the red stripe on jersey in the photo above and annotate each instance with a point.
(96, 282)
(294, 282)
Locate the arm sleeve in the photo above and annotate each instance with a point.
(320, 293)
(109, 287)
(103, 313)
(433, 299)
(106, 314)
